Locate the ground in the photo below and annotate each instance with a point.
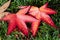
(45, 32)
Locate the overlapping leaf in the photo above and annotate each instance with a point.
(42, 15)
(20, 18)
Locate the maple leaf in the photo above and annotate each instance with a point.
(41, 15)
(12, 19)
(18, 21)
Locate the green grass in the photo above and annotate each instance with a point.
(45, 31)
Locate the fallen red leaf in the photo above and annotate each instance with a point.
(42, 15)
(19, 21)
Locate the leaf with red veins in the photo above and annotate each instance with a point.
(33, 11)
(46, 18)
(34, 27)
(47, 10)
(12, 22)
(26, 18)
(41, 16)
(22, 26)
(23, 11)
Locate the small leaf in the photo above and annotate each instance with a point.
(4, 6)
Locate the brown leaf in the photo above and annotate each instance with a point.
(3, 14)
(4, 6)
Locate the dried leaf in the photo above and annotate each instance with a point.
(3, 14)
(4, 6)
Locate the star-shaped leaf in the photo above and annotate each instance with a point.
(42, 15)
(18, 21)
